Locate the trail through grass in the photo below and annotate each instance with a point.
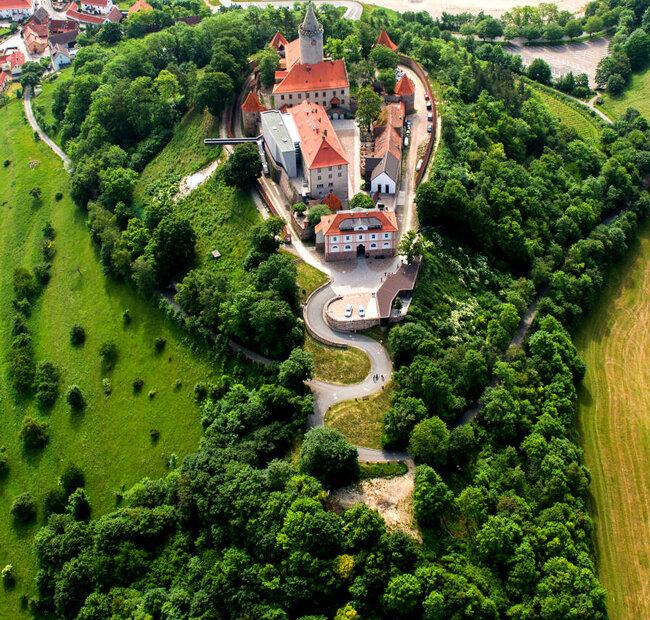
(614, 403)
(111, 439)
(42, 104)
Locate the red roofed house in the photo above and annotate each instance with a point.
(5, 80)
(17, 9)
(324, 164)
(405, 90)
(383, 164)
(250, 111)
(96, 7)
(308, 75)
(140, 5)
(12, 64)
(95, 19)
(384, 39)
(347, 234)
(35, 37)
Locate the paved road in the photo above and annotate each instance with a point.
(27, 104)
(328, 394)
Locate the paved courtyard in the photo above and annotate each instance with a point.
(348, 133)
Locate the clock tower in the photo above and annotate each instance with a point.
(311, 38)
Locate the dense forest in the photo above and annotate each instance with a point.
(517, 204)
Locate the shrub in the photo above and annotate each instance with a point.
(23, 509)
(108, 353)
(58, 196)
(48, 250)
(72, 478)
(42, 273)
(152, 394)
(7, 163)
(178, 384)
(21, 363)
(34, 433)
(78, 505)
(77, 335)
(138, 382)
(159, 344)
(8, 577)
(107, 386)
(48, 229)
(46, 383)
(200, 391)
(126, 317)
(25, 285)
(4, 461)
(75, 398)
(154, 433)
(55, 501)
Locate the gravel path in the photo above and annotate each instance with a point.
(27, 104)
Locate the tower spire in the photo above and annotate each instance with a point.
(310, 25)
(311, 38)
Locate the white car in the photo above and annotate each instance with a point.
(362, 311)
(348, 311)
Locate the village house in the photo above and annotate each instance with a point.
(97, 17)
(96, 7)
(140, 5)
(17, 9)
(306, 74)
(382, 165)
(12, 64)
(5, 81)
(35, 36)
(359, 232)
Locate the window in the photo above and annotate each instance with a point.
(330, 185)
(334, 248)
(342, 101)
(359, 237)
(320, 185)
(299, 95)
(335, 239)
(330, 170)
(347, 247)
(340, 167)
(320, 178)
(290, 96)
(324, 94)
(343, 92)
(386, 244)
(340, 174)
(386, 235)
(282, 97)
(348, 238)
(373, 246)
(330, 176)
(373, 236)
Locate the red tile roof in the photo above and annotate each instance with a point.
(13, 59)
(252, 104)
(384, 39)
(39, 30)
(331, 224)
(84, 17)
(292, 53)
(326, 75)
(8, 5)
(278, 41)
(4, 80)
(405, 86)
(332, 201)
(319, 143)
(403, 280)
(102, 3)
(140, 5)
(62, 25)
(114, 15)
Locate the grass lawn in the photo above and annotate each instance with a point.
(361, 421)
(308, 279)
(570, 117)
(614, 425)
(185, 154)
(110, 440)
(382, 470)
(343, 366)
(43, 103)
(636, 95)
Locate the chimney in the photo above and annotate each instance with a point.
(324, 132)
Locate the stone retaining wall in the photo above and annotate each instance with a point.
(347, 325)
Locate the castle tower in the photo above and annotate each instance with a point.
(311, 38)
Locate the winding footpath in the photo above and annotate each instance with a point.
(27, 104)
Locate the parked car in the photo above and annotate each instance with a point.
(419, 165)
(406, 140)
(428, 105)
(348, 311)
(429, 128)
(408, 124)
(362, 311)
(430, 116)
(426, 97)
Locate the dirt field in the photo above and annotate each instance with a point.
(392, 497)
(614, 423)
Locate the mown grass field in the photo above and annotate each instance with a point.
(570, 117)
(636, 95)
(614, 402)
(342, 366)
(111, 439)
(361, 421)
